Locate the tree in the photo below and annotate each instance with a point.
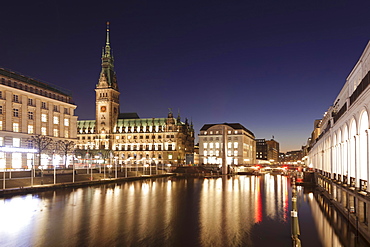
(42, 144)
(65, 147)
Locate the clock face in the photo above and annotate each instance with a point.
(103, 109)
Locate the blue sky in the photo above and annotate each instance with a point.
(273, 66)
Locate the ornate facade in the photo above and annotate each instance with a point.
(131, 139)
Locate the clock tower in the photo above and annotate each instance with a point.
(107, 97)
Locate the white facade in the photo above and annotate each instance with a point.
(240, 146)
(342, 149)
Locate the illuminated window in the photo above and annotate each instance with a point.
(29, 160)
(15, 112)
(211, 153)
(217, 145)
(205, 145)
(30, 129)
(217, 153)
(1, 125)
(43, 131)
(66, 134)
(66, 122)
(44, 118)
(229, 145)
(2, 160)
(235, 153)
(205, 153)
(16, 142)
(211, 145)
(229, 132)
(235, 145)
(16, 160)
(56, 120)
(1, 141)
(15, 127)
(170, 156)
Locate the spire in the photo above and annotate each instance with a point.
(107, 74)
(107, 44)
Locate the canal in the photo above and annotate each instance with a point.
(224, 211)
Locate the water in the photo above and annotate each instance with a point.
(233, 211)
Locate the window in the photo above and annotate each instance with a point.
(66, 134)
(43, 131)
(66, 111)
(205, 145)
(235, 145)
(56, 108)
(44, 118)
(211, 145)
(43, 105)
(217, 145)
(16, 142)
(1, 141)
(56, 120)
(229, 145)
(205, 153)
(1, 109)
(1, 94)
(15, 98)
(66, 122)
(15, 112)
(56, 132)
(30, 129)
(15, 127)
(1, 125)
(30, 102)
(30, 115)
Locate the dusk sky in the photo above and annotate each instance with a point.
(273, 66)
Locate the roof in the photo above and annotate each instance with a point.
(37, 83)
(232, 125)
(128, 115)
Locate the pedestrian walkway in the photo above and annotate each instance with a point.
(23, 185)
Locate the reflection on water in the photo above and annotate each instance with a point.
(227, 211)
(333, 228)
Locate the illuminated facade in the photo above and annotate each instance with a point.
(29, 107)
(240, 146)
(131, 139)
(339, 145)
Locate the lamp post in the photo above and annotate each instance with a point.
(73, 167)
(42, 174)
(4, 178)
(109, 167)
(115, 164)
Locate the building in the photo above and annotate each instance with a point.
(127, 137)
(267, 150)
(229, 141)
(29, 107)
(292, 157)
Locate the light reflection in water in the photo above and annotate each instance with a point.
(226, 211)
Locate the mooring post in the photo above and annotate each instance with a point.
(294, 215)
